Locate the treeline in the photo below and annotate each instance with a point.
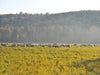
(71, 27)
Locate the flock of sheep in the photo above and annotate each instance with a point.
(46, 44)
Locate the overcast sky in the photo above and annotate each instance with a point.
(43, 6)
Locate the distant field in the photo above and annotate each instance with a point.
(49, 61)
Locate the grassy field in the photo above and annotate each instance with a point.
(49, 61)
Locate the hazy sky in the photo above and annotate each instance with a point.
(43, 6)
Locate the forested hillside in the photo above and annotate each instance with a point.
(68, 27)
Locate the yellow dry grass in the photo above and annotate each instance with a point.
(49, 61)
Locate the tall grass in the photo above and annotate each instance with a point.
(49, 61)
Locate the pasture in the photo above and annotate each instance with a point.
(49, 60)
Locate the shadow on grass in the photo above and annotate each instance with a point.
(92, 66)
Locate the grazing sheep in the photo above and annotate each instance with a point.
(50, 45)
(14, 45)
(56, 45)
(62, 45)
(28, 44)
(83, 45)
(68, 46)
(91, 45)
(75, 44)
(42, 45)
(33, 45)
(4, 44)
